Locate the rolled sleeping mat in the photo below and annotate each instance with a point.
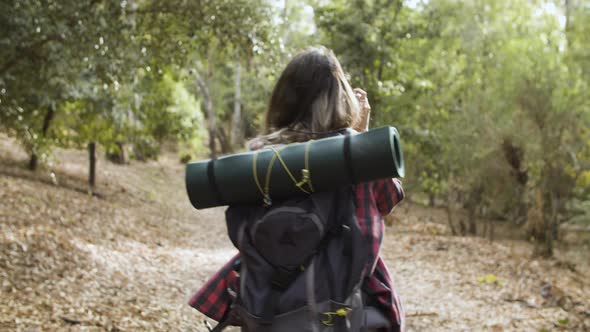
(313, 166)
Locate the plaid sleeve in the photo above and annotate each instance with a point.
(373, 200)
(380, 287)
(369, 221)
(214, 298)
(388, 193)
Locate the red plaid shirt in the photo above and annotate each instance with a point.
(373, 201)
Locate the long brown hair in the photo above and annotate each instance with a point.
(311, 97)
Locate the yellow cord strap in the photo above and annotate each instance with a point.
(267, 183)
(305, 174)
(297, 184)
(266, 191)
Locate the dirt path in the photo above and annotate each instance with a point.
(468, 284)
(129, 259)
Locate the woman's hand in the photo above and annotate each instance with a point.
(362, 123)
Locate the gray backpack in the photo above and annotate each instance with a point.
(302, 266)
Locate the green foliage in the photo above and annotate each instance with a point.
(490, 96)
(489, 93)
(94, 62)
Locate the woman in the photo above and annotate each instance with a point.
(313, 99)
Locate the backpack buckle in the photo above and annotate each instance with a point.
(267, 201)
(331, 316)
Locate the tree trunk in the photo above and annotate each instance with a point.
(117, 155)
(550, 224)
(568, 13)
(473, 202)
(210, 112)
(472, 221)
(212, 129)
(285, 10)
(450, 202)
(450, 219)
(33, 162)
(541, 218)
(431, 199)
(236, 133)
(92, 165)
(223, 138)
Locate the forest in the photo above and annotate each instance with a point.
(491, 97)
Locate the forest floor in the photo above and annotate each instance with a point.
(129, 258)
